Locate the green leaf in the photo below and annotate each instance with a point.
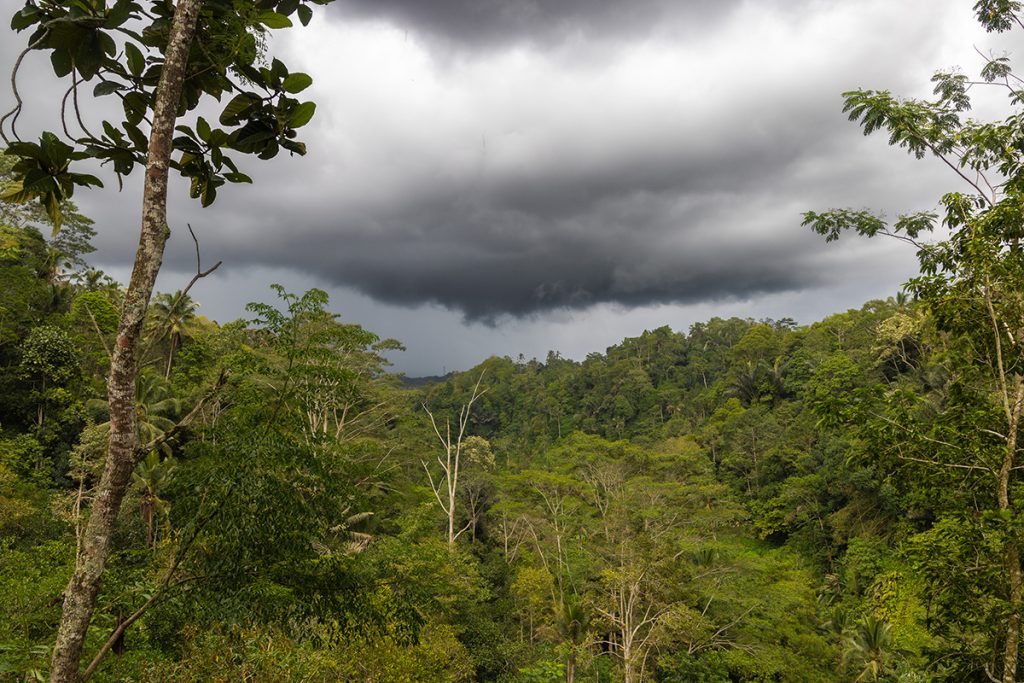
(135, 106)
(105, 88)
(61, 62)
(14, 192)
(136, 62)
(209, 194)
(52, 204)
(302, 114)
(137, 137)
(252, 138)
(238, 105)
(297, 82)
(28, 15)
(277, 69)
(305, 14)
(203, 129)
(274, 20)
(119, 13)
(287, 7)
(238, 178)
(86, 180)
(294, 146)
(89, 55)
(57, 152)
(111, 132)
(26, 149)
(106, 43)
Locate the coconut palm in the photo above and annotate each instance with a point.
(345, 538)
(155, 410)
(150, 475)
(173, 316)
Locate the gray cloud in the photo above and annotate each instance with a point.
(593, 156)
(520, 184)
(498, 23)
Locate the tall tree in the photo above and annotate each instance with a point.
(182, 52)
(173, 315)
(972, 285)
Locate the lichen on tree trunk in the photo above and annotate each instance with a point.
(81, 592)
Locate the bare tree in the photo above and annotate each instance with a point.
(446, 485)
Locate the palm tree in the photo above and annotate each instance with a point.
(173, 315)
(572, 623)
(869, 649)
(344, 538)
(151, 474)
(156, 406)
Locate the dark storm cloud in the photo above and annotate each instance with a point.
(522, 180)
(668, 233)
(524, 199)
(487, 262)
(491, 23)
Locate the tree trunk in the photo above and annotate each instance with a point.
(628, 670)
(170, 356)
(147, 507)
(451, 517)
(1013, 570)
(80, 595)
(1013, 626)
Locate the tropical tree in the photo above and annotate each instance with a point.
(173, 316)
(971, 284)
(573, 629)
(150, 476)
(49, 360)
(168, 59)
(869, 650)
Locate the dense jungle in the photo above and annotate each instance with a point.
(743, 500)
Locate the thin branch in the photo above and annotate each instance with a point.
(179, 556)
(200, 274)
(953, 465)
(123, 626)
(74, 101)
(16, 111)
(436, 488)
(1004, 392)
(63, 112)
(99, 333)
(465, 528)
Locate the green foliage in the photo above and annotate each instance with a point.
(94, 42)
(542, 672)
(48, 357)
(947, 426)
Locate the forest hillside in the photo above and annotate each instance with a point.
(745, 500)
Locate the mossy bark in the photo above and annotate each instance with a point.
(81, 592)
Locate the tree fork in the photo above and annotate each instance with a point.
(80, 595)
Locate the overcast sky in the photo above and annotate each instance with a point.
(513, 176)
